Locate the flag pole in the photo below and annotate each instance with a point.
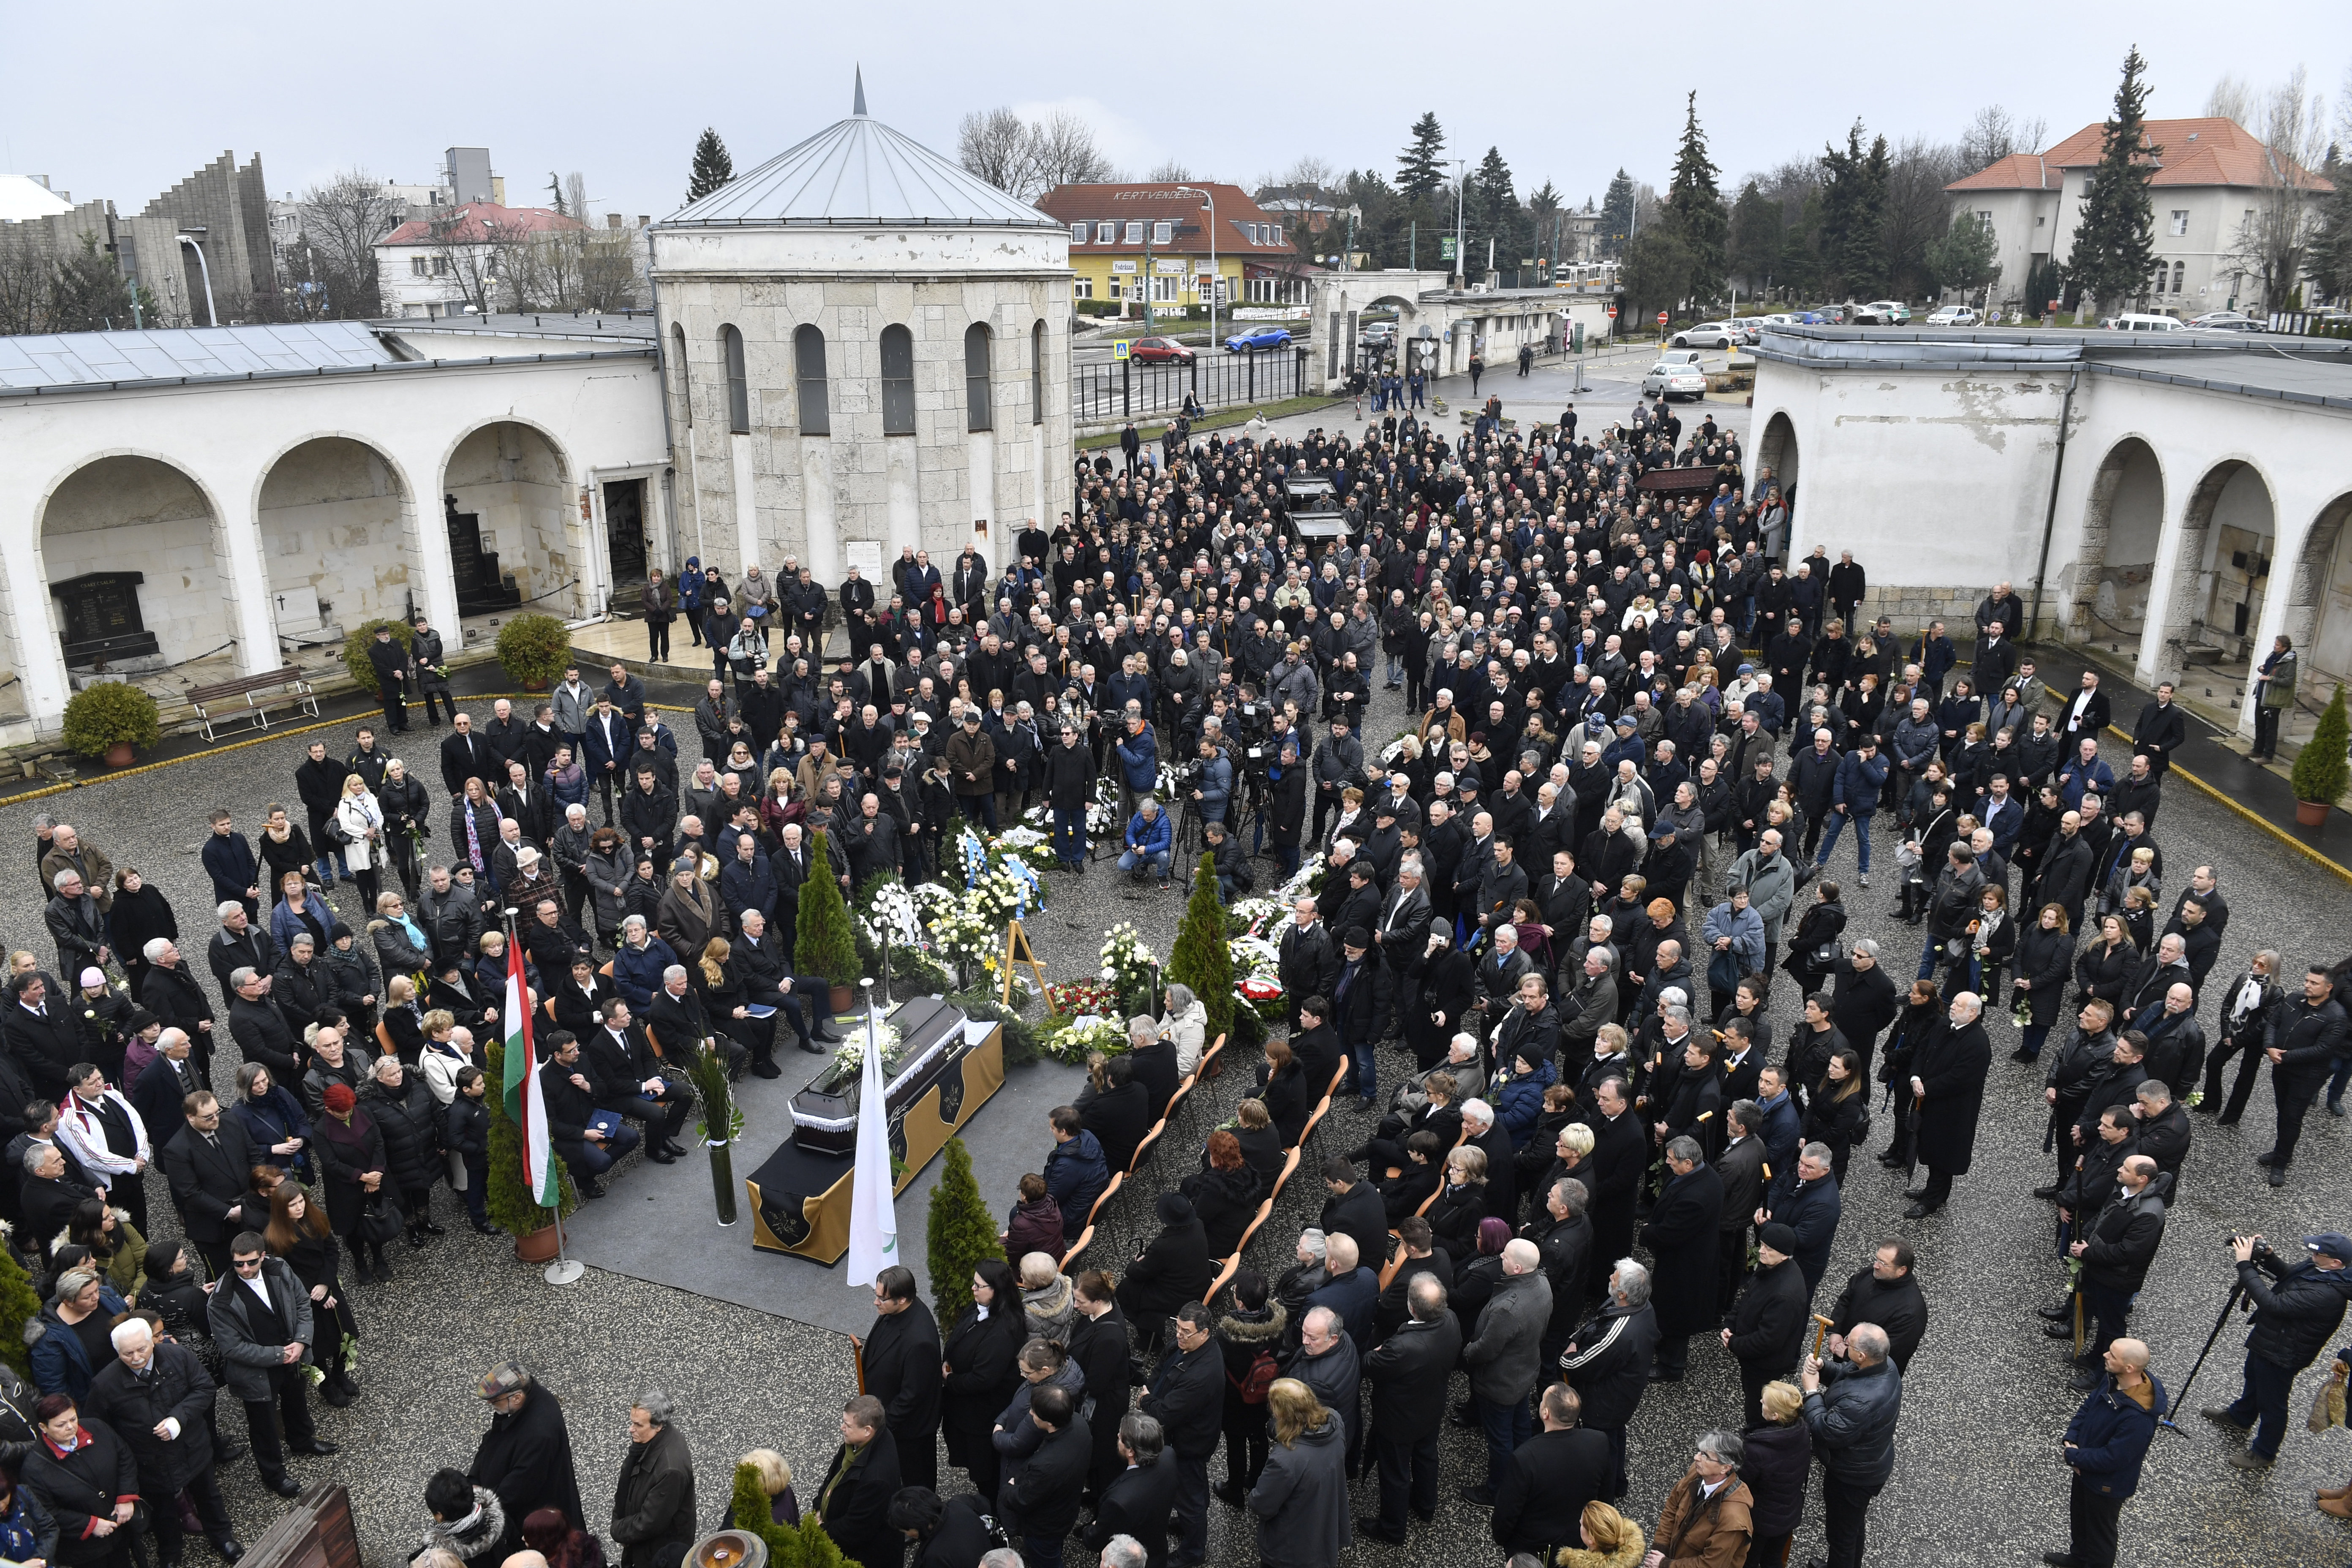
(565, 1270)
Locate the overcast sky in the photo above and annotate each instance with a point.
(120, 100)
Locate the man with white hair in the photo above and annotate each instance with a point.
(1947, 1081)
(1309, 958)
(1608, 1363)
(676, 1020)
(1851, 1408)
(1485, 1131)
(157, 1397)
(170, 992)
(1503, 1360)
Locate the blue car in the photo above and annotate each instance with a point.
(1258, 338)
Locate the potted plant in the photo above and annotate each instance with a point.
(19, 1304)
(109, 720)
(827, 945)
(362, 638)
(533, 651)
(958, 1231)
(508, 1197)
(1203, 957)
(722, 1122)
(2321, 770)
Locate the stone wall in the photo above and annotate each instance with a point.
(136, 514)
(335, 519)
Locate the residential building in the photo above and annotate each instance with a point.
(2211, 176)
(466, 257)
(1121, 235)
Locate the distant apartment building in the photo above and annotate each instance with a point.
(1128, 239)
(465, 256)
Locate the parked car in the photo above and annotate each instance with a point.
(2137, 322)
(1750, 329)
(1812, 319)
(1708, 335)
(2226, 321)
(1380, 334)
(1882, 313)
(1153, 351)
(1679, 356)
(1953, 316)
(1672, 380)
(1256, 337)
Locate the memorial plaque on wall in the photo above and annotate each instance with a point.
(101, 618)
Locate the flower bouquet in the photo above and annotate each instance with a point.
(1075, 998)
(850, 1055)
(1087, 1032)
(1130, 970)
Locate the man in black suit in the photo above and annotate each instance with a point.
(790, 863)
(50, 1195)
(466, 755)
(1155, 1066)
(169, 990)
(1552, 1475)
(209, 1165)
(899, 1360)
(2085, 716)
(43, 1035)
(260, 1030)
(571, 1098)
(768, 980)
(1409, 1372)
(1039, 1501)
(161, 1095)
(675, 1021)
(1621, 1154)
(632, 1082)
(239, 944)
(1354, 1208)
(1139, 1503)
(1098, 1344)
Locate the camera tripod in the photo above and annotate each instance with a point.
(2180, 1396)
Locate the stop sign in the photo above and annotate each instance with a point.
(1662, 318)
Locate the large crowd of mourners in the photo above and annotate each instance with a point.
(1559, 904)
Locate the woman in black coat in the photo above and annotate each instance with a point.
(1460, 1203)
(1118, 1110)
(2105, 967)
(407, 821)
(407, 1114)
(79, 1486)
(2044, 956)
(298, 1233)
(1440, 983)
(1262, 1147)
(1282, 1090)
(140, 915)
(1834, 1107)
(1173, 1269)
(1819, 928)
(354, 1168)
(476, 804)
(981, 1370)
(1224, 1196)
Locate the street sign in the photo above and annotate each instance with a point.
(1612, 312)
(1445, 248)
(1662, 318)
(1118, 350)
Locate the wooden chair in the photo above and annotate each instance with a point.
(1282, 1177)
(1116, 1178)
(383, 1039)
(1395, 1262)
(1145, 1150)
(606, 969)
(1200, 1068)
(1070, 1257)
(1231, 1267)
(548, 1008)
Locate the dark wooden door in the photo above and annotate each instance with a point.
(625, 535)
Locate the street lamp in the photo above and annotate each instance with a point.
(212, 316)
(1215, 277)
(1348, 259)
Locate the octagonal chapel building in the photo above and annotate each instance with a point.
(864, 347)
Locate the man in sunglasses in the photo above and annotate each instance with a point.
(260, 1319)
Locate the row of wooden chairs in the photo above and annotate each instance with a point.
(1231, 1266)
(1143, 1153)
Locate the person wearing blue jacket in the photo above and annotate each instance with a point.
(1150, 840)
(1855, 798)
(2105, 1444)
(1075, 1172)
(1139, 760)
(689, 599)
(1851, 1409)
(229, 861)
(61, 1364)
(639, 964)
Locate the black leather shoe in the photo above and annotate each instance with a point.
(1892, 1162)
(229, 1547)
(1660, 1374)
(590, 1189)
(660, 1156)
(1916, 1192)
(319, 1446)
(2062, 1311)
(483, 1228)
(2046, 1192)
(2085, 1380)
(2059, 1331)
(283, 1485)
(1917, 1211)
(2059, 1559)
(429, 1228)
(2278, 1175)
(812, 1051)
(766, 1069)
(675, 1150)
(1476, 1496)
(1370, 1524)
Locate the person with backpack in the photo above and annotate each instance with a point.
(1250, 1335)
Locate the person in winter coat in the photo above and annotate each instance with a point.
(1172, 1269)
(526, 1456)
(901, 1361)
(654, 1514)
(853, 1503)
(1682, 1236)
(1226, 1195)
(1036, 1222)
(408, 1115)
(2105, 1443)
(353, 1168)
(1502, 1361)
(1851, 1409)
(88, 1480)
(1608, 1363)
(1947, 1083)
(980, 1372)
(1777, 1471)
(1708, 1517)
(27, 1534)
(1766, 1333)
(2298, 1303)
(1075, 1172)
(468, 1521)
(61, 1359)
(1301, 1497)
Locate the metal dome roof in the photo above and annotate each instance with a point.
(856, 173)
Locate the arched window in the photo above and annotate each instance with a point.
(1037, 374)
(738, 384)
(898, 381)
(975, 378)
(808, 371)
(685, 382)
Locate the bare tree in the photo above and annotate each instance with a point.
(1994, 134)
(1170, 171)
(1917, 211)
(25, 270)
(1063, 152)
(1311, 170)
(2232, 97)
(2274, 242)
(341, 223)
(997, 146)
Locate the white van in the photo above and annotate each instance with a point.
(2141, 323)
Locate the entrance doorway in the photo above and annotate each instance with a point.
(624, 537)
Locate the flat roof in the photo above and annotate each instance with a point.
(2312, 371)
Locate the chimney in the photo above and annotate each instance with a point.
(612, 220)
(644, 220)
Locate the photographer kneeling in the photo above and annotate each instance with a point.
(2297, 1306)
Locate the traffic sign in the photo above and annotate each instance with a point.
(1662, 318)
(1118, 350)
(1612, 312)
(1445, 248)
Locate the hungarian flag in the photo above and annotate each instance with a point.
(525, 1102)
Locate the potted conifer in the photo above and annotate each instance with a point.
(827, 943)
(2321, 768)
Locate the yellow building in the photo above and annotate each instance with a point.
(1130, 240)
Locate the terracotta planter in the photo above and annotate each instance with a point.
(535, 685)
(839, 1000)
(2307, 813)
(539, 1247)
(120, 754)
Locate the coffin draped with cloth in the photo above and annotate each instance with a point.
(941, 1069)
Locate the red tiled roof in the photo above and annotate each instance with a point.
(474, 223)
(2204, 151)
(1158, 202)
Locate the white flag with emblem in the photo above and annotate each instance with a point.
(873, 1208)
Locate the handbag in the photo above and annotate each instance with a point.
(380, 1220)
(1722, 974)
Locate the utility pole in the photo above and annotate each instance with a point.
(1461, 234)
(1216, 279)
(1146, 279)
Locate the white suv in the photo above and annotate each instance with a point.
(1882, 313)
(1709, 335)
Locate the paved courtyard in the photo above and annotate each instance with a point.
(1978, 1477)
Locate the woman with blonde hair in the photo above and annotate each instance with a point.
(775, 1477)
(1611, 1540)
(360, 821)
(1780, 1455)
(1301, 1496)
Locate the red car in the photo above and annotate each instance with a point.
(1154, 351)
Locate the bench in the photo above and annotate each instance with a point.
(282, 684)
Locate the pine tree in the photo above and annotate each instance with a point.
(1853, 215)
(2115, 236)
(19, 1304)
(827, 946)
(1753, 247)
(89, 294)
(1421, 167)
(959, 1232)
(1694, 209)
(1617, 216)
(555, 191)
(1962, 256)
(1200, 958)
(1495, 211)
(507, 1198)
(712, 167)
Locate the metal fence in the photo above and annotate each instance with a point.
(1103, 393)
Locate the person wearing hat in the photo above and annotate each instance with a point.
(526, 1456)
(971, 758)
(2298, 1303)
(1766, 1330)
(389, 659)
(1172, 1269)
(1363, 998)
